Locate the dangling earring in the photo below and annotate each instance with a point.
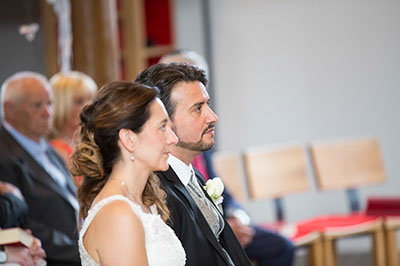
(132, 157)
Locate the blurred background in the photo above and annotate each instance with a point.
(282, 71)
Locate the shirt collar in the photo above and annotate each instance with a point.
(29, 145)
(183, 171)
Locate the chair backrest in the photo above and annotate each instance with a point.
(274, 173)
(347, 164)
(228, 168)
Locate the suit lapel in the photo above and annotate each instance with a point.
(201, 221)
(28, 163)
(202, 183)
(53, 157)
(227, 232)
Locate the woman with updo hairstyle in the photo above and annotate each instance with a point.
(124, 136)
(72, 90)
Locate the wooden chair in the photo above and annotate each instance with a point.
(387, 207)
(275, 173)
(391, 226)
(228, 167)
(348, 165)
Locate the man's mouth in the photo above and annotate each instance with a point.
(209, 129)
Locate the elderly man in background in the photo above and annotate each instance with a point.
(28, 162)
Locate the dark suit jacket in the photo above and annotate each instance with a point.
(52, 218)
(200, 244)
(13, 211)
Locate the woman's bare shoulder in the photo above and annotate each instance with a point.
(119, 212)
(117, 224)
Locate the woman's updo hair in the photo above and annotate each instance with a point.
(118, 105)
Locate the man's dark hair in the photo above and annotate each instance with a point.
(166, 76)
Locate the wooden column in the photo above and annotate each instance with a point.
(134, 37)
(48, 27)
(95, 39)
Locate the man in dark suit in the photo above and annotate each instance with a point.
(28, 162)
(205, 235)
(265, 247)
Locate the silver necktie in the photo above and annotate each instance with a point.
(208, 210)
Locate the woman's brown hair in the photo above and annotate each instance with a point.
(118, 105)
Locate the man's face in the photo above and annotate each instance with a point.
(33, 114)
(193, 120)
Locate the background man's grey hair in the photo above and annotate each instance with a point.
(15, 93)
(186, 56)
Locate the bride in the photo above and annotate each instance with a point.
(125, 135)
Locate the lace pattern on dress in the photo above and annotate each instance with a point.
(162, 245)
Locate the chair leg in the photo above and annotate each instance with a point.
(329, 252)
(316, 254)
(379, 247)
(391, 247)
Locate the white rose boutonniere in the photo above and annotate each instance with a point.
(214, 188)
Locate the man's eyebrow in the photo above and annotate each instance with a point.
(198, 104)
(202, 103)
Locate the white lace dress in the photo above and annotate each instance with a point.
(162, 245)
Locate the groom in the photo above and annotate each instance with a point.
(205, 235)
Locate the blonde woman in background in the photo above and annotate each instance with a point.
(72, 91)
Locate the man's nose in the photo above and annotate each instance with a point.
(211, 116)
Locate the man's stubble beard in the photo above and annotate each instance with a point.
(195, 146)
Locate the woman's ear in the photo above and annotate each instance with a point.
(128, 139)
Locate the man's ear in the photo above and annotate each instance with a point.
(128, 139)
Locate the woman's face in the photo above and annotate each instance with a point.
(78, 103)
(153, 142)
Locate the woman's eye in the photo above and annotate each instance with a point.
(79, 101)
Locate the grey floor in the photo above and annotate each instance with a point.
(352, 252)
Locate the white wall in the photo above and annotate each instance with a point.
(302, 70)
(188, 25)
(297, 71)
